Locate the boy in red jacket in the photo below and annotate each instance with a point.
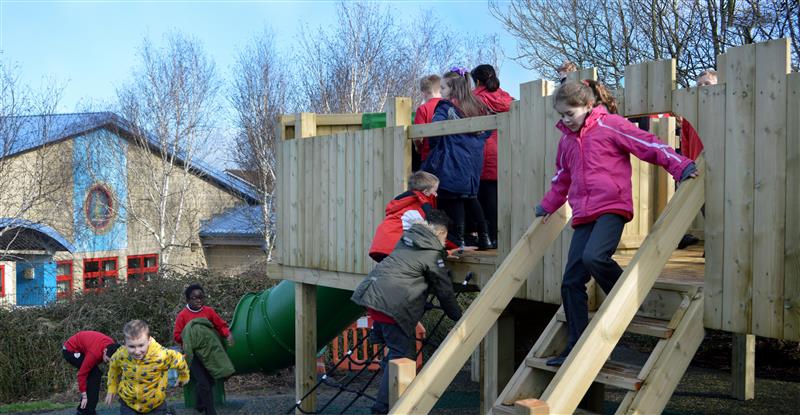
(430, 86)
(402, 211)
(85, 350)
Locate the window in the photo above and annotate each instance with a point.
(142, 267)
(63, 279)
(2, 280)
(99, 273)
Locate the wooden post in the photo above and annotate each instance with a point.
(743, 366)
(401, 373)
(399, 112)
(498, 360)
(305, 341)
(531, 407)
(305, 124)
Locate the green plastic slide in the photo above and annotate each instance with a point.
(263, 326)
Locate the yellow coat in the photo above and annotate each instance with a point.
(143, 383)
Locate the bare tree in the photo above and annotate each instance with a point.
(610, 34)
(169, 102)
(32, 180)
(258, 97)
(370, 56)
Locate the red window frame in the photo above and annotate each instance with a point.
(2, 280)
(140, 273)
(101, 276)
(64, 277)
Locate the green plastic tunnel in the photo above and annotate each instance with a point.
(263, 326)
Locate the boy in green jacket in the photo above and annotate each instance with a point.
(394, 293)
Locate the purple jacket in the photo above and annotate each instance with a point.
(593, 168)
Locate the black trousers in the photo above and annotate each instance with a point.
(92, 381)
(589, 255)
(203, 384)
(400, 346)
(487, 196)
(458, 209)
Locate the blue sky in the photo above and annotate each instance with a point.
(91, 46)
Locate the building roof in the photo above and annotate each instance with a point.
(242, 221)
(24, 235)
(38, 130)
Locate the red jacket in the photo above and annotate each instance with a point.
(401, 212)
(497, 101)
(91, 345)
(186, 315)
(691, 146)
(593, 167)
(424, 115)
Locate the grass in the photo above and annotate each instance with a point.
(34, 406)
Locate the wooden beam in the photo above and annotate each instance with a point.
(531, 407)
(618, 309)
(305, 124)
(479, 317)
(305, 343)
(401, 373)
(743, 366)
(398, 112)
(498, 360)
(466, 125)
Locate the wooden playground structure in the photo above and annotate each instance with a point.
(335, 179)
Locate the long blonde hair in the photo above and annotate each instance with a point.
(461, 94)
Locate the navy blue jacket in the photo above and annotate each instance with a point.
(456, 159)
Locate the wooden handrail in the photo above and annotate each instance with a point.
(468, 332)
(466, 125)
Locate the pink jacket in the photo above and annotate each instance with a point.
(593, 168)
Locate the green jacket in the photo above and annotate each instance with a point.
(398, 285)
(201, 339)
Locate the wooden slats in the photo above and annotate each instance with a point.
(647, 326)
(739, 155)
(769, 195)
(791, 288)
(618, 374)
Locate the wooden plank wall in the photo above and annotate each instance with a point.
(332, 189)
(337, 187)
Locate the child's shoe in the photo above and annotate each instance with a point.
(559, 360)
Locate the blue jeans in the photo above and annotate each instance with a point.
(400, 346)
(589, 255)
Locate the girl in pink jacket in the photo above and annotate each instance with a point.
(593, 172)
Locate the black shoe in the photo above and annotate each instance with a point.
(559, 360)
(484, 242)
(687, 240)
(471, 239)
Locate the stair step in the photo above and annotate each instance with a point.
(621, 375)
(646, 326)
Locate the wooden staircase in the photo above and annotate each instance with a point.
(649, 386)
(561, 393)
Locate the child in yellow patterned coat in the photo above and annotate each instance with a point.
(138, 372)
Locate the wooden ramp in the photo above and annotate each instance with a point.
(652, 385)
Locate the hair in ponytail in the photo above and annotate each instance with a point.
(458, 80)
(586, 92)
(487, 77)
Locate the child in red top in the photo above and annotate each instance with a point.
(85, 350)
(195, 308)
(430, 86)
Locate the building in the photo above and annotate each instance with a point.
(85, 205)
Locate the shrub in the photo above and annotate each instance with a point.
(31, 366)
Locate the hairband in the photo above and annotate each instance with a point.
(586, 82)
(459, 70)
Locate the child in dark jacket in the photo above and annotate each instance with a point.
(457, 159)
(397, 288)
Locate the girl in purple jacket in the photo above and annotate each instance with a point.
(593, 172)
